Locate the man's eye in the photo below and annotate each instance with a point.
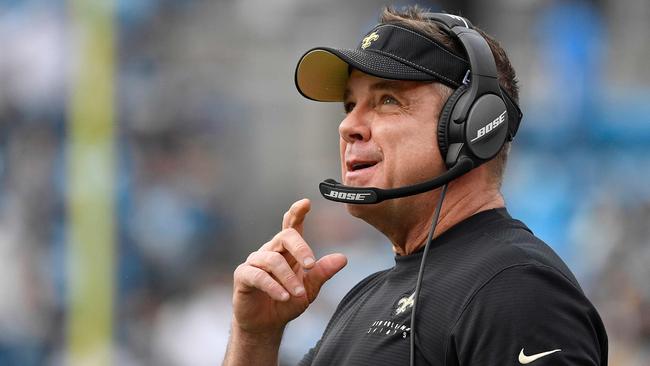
(387, 99)
(348, 107)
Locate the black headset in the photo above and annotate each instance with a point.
(479, 117)
(474, 124)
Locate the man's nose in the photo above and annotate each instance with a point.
(355, 126)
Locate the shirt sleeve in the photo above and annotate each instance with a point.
(525, 314)
(350, 297)
(308, 358)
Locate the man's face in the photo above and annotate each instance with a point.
(388, 137)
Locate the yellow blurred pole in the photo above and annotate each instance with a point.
(90, 154)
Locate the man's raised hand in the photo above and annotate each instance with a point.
(279, 281)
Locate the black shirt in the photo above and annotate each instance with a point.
(492, 294)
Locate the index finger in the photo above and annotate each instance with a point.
(290, 242)
(295, 217)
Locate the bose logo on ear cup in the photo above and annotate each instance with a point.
(489, 127)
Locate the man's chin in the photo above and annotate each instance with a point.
(366, 212)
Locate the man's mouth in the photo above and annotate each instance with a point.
(354, 166)
(359, 166)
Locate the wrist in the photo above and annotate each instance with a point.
(268, 338)
(252, 348)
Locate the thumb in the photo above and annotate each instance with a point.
(323, 270)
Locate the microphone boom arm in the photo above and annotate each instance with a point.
(335, 191)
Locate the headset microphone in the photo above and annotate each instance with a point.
(335, 191)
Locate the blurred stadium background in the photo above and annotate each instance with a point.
(146, 147)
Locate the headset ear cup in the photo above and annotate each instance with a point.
(445, 119)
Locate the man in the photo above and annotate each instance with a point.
(492, 293)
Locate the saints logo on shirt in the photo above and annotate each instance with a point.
(404, 304)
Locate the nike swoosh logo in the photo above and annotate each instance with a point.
(524, 360)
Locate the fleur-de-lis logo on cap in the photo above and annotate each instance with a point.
(369, 39)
